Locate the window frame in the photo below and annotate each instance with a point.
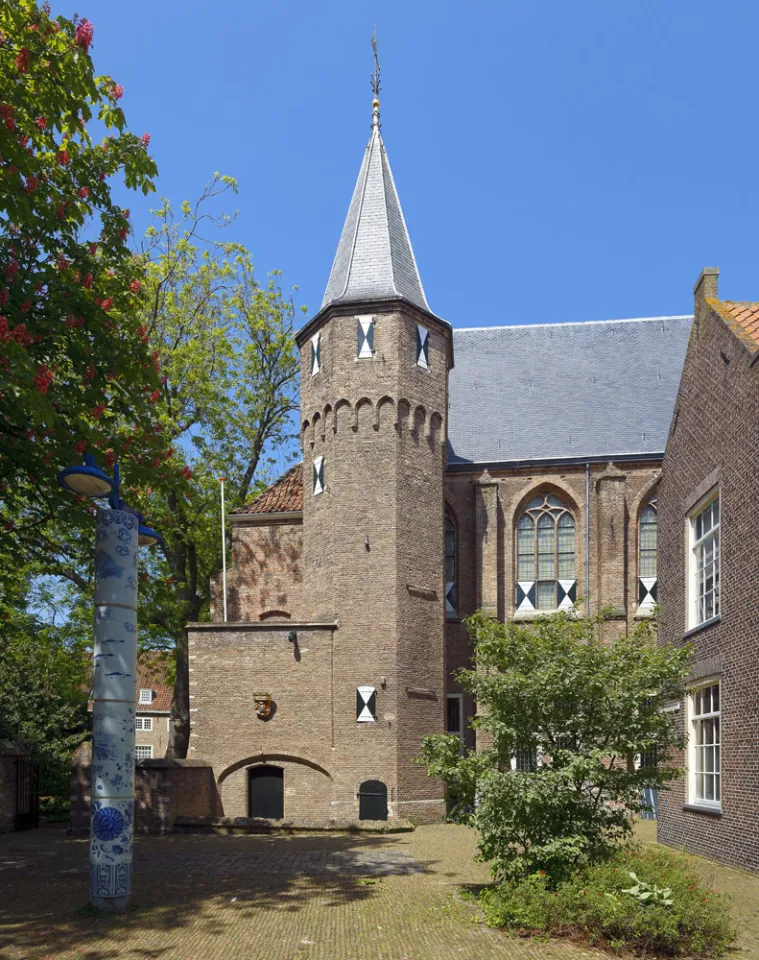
(694, 719)
(422, 347)
(648, 595)
(145, 724)
(460, 732)
(318, 476)
(694, 571)
(141, 699)
(537, 512)
(365, 337)
(316, 357)
(143, 746)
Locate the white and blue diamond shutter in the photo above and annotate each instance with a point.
(365, 329)
(316, 357)
(422, 347)
(318, 475)
(366, 704)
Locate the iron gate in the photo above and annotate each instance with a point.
(27, 795)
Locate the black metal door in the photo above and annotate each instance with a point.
(27, 795)
(372, 800)
(266, 789)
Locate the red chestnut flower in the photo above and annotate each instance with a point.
(84, 32)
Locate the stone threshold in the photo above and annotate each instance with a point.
(243, 825)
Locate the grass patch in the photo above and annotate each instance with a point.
(648, 902)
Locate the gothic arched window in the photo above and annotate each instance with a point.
(648, 536)
(546, 556)
(450, 568)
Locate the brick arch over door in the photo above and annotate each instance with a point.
(270, 758)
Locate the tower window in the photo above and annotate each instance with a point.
(316, 359)
(422, 347)
(366, 704)
(318, 475)
(546, 556)
(365, 338)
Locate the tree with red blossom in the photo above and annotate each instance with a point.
(70, 287)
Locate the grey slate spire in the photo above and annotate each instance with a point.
(374, 259)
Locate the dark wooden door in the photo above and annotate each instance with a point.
(266, 792)
(372, 800)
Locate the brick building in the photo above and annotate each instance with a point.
(709, 584)
(517, 479)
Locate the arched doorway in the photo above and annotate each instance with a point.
(266, 792)
(372, 800)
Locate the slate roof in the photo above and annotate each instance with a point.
(283, 496)
(742, 316)
(374, 259)
(565, 390)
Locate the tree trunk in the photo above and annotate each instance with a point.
(179, 727)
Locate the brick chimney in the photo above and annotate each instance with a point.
(706, 286)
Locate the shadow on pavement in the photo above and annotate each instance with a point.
(213, 883)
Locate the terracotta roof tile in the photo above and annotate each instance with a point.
(284, 496)
(152, 666)
(742, 316)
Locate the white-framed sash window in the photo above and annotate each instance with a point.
(704, 562)
(704, 745)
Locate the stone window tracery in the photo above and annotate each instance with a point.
(545, 556)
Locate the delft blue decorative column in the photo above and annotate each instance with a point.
(119, 533)
(114, 686)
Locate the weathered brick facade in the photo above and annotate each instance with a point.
(714, 446)
(353, 573)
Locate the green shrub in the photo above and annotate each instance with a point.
(643, 900)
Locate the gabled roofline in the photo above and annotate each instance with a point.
(572, 323)
(477, 466)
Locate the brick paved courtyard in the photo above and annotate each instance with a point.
(309, 897)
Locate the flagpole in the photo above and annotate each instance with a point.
(223, 552)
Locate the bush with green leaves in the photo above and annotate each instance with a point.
(612, 903)
(563, 712)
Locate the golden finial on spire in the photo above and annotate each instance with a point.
(375, 81)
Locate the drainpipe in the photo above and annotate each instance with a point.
(587, 539)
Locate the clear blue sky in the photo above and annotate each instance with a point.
(556, 161)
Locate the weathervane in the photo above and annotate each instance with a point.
(375, 81)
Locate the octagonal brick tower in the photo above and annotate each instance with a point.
(374, 399)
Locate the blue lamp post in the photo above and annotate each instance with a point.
(119, 534)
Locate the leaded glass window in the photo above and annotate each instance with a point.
(546, 550)
(648, 532)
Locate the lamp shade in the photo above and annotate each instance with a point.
(87, 480)
(146, 536)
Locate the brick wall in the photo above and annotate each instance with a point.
(488, 569)
(265, 577)
(158, 737)
(714, 441)
(164, 791)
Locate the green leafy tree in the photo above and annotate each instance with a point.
(44, 681)
(224, 346)
(70, 287)
(563, 715)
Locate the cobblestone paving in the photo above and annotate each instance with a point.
(288, 898)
